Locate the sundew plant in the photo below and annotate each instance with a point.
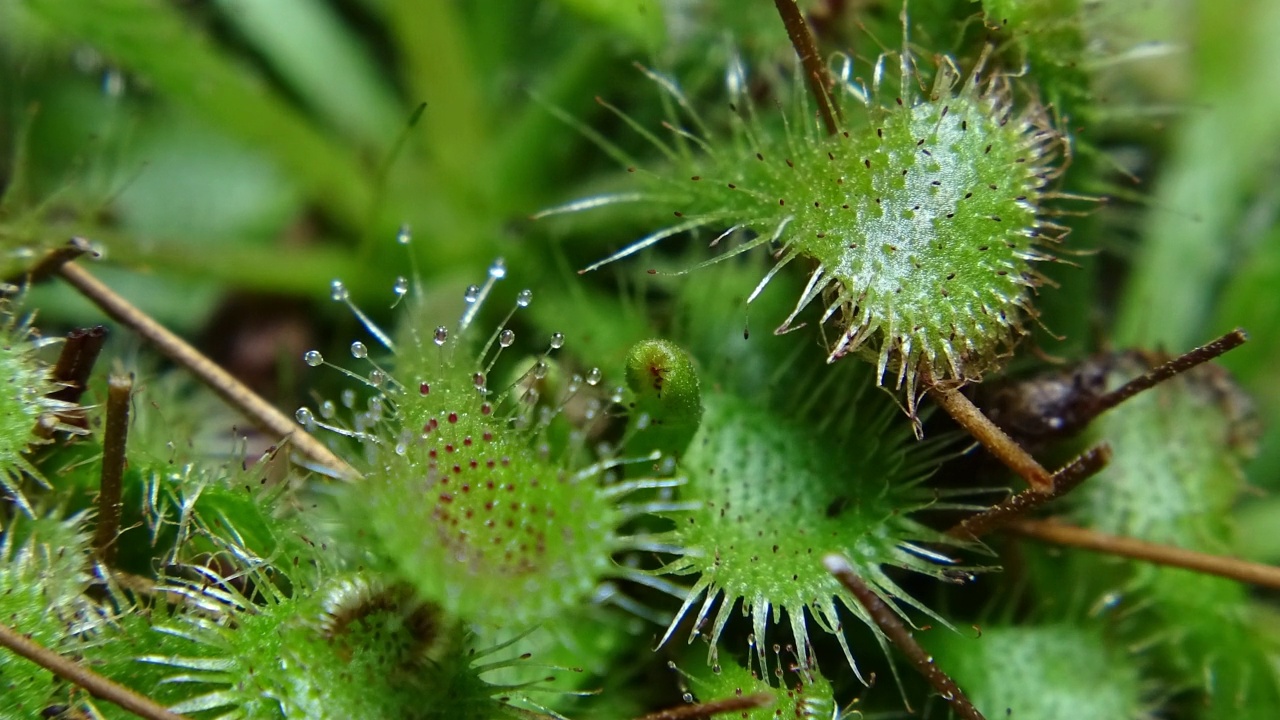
(639, 359)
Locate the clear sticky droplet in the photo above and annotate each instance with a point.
(687, 697)
(338, 291)
(328, 409)
(539, 370)
(404, 235)
(304, 416)
(524, 297)
(377, 377)
(442, 334)
(595, 376)
(557, 341)
(401, 288)
(358, 350)
(506, 338)
(313, 358)
(472, 294)
(498, 269)
(348, 398)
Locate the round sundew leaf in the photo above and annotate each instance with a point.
(923, 215)
(1046, 672)
(482, 523)
(768, 499)
(1178, 450)
(466, 496)
(353, 647)
(1175, 476)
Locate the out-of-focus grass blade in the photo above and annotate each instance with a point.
(1216, 161)
(152, 39)
(640, 20)
(323, 63)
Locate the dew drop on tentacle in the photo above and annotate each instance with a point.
(313, 358)
(338, 292)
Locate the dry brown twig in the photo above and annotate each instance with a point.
(73, 672)
(711, 709)
(259, 411)
(1058, 533)
(889, 623)
(115, 439)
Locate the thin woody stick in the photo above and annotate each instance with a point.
(713, 708)
(1160, 373)
(220, 381)
(71, 373)
(115, 438)
(1058, 533)
(892, 627)
(75, 363)
(995, 440)
(1064, 481)
(96, 684)
(807, 49)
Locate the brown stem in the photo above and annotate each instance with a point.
(892, 627)
(713, 708)
(52, 262)
(220, 381)
(96, 684)
(807, 48)
(1061, 534)
(115, 438)
(1160, 373)
(995, 440)
(1064, 481)
(75, 363)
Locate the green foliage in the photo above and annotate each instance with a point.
(42, 582)
(1004, 669)
(527, 528)
(800, 694)
(24, 402)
